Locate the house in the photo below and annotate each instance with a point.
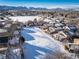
(72, 27)
(51, 30)
(76, 41)
(4, 34)
(61, 36)
(59, 29)
(4, 37)
(58, 25)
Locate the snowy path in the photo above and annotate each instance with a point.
(38, 43)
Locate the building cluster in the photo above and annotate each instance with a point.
(62, 30)
(63, 27)
(8, 31)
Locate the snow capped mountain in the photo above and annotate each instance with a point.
(39, 8)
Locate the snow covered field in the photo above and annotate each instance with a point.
(23, 18)
(38, 43)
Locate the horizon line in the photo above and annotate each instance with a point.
(40, 6)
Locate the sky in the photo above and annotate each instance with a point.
(42, 3)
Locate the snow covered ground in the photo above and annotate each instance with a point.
(23, 18)
(38, 43)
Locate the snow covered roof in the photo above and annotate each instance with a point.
(38, 44)
(3, 30)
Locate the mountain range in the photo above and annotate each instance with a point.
(39, 8)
